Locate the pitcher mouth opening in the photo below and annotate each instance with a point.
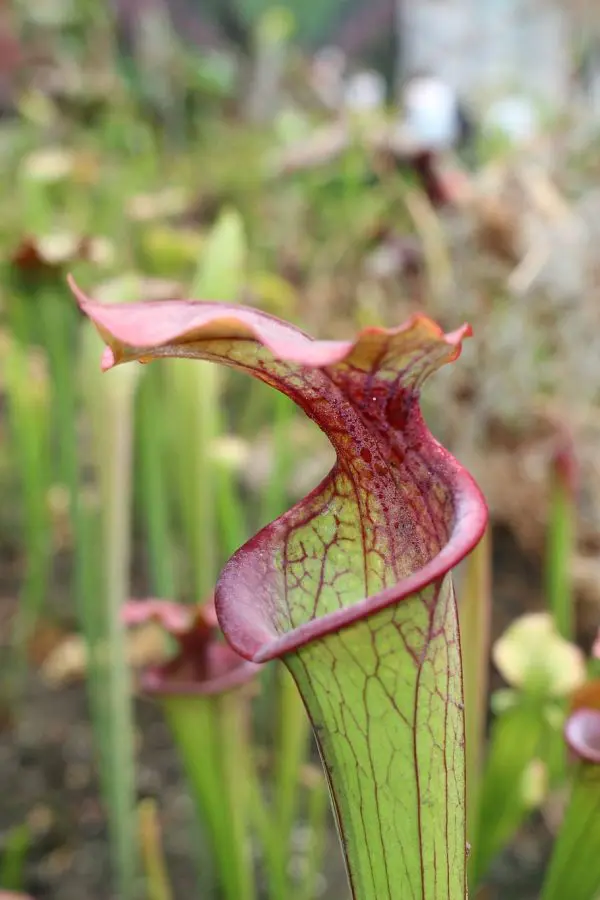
(248, 627)
(345, 551)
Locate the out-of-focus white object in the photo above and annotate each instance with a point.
(432, 112)
(515, 118)
(531, 654)
(480, 46)
(364, 92)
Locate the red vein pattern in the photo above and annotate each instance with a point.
(386, 697)
(350, 587)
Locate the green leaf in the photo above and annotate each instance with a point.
(574, 871)
(222, 263)
(516, 741)
(104, 632)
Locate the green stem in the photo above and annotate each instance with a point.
(209, 741)
(292, 745)
(231, 517)
(59, 327)
(116, 468)
(516, 739)
(157, 878)
(14, 857)
(23, 325)
(560, 543)
(233, 720)
(283, 457)
(475, 622)
(60, 334)
(574, 870)
(276, 876)
(154, 489)
(385, 698)
(106, 527)
(196, 398)
(26, 391)
(318, 807)
(256, 409)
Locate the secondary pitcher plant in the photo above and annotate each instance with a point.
(351, 588)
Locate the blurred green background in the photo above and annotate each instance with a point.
(157, 151)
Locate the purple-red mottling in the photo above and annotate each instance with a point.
(565, 463)
(203, 664)
(416, 511)
(582, 734)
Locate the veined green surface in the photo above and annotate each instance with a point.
(385, 696)
(351, 585)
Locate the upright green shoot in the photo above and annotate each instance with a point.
(110, 414)
(25, 379)
(13, 858)
(207, 496)
(152, 462)
(561, 540)
(475, 610)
